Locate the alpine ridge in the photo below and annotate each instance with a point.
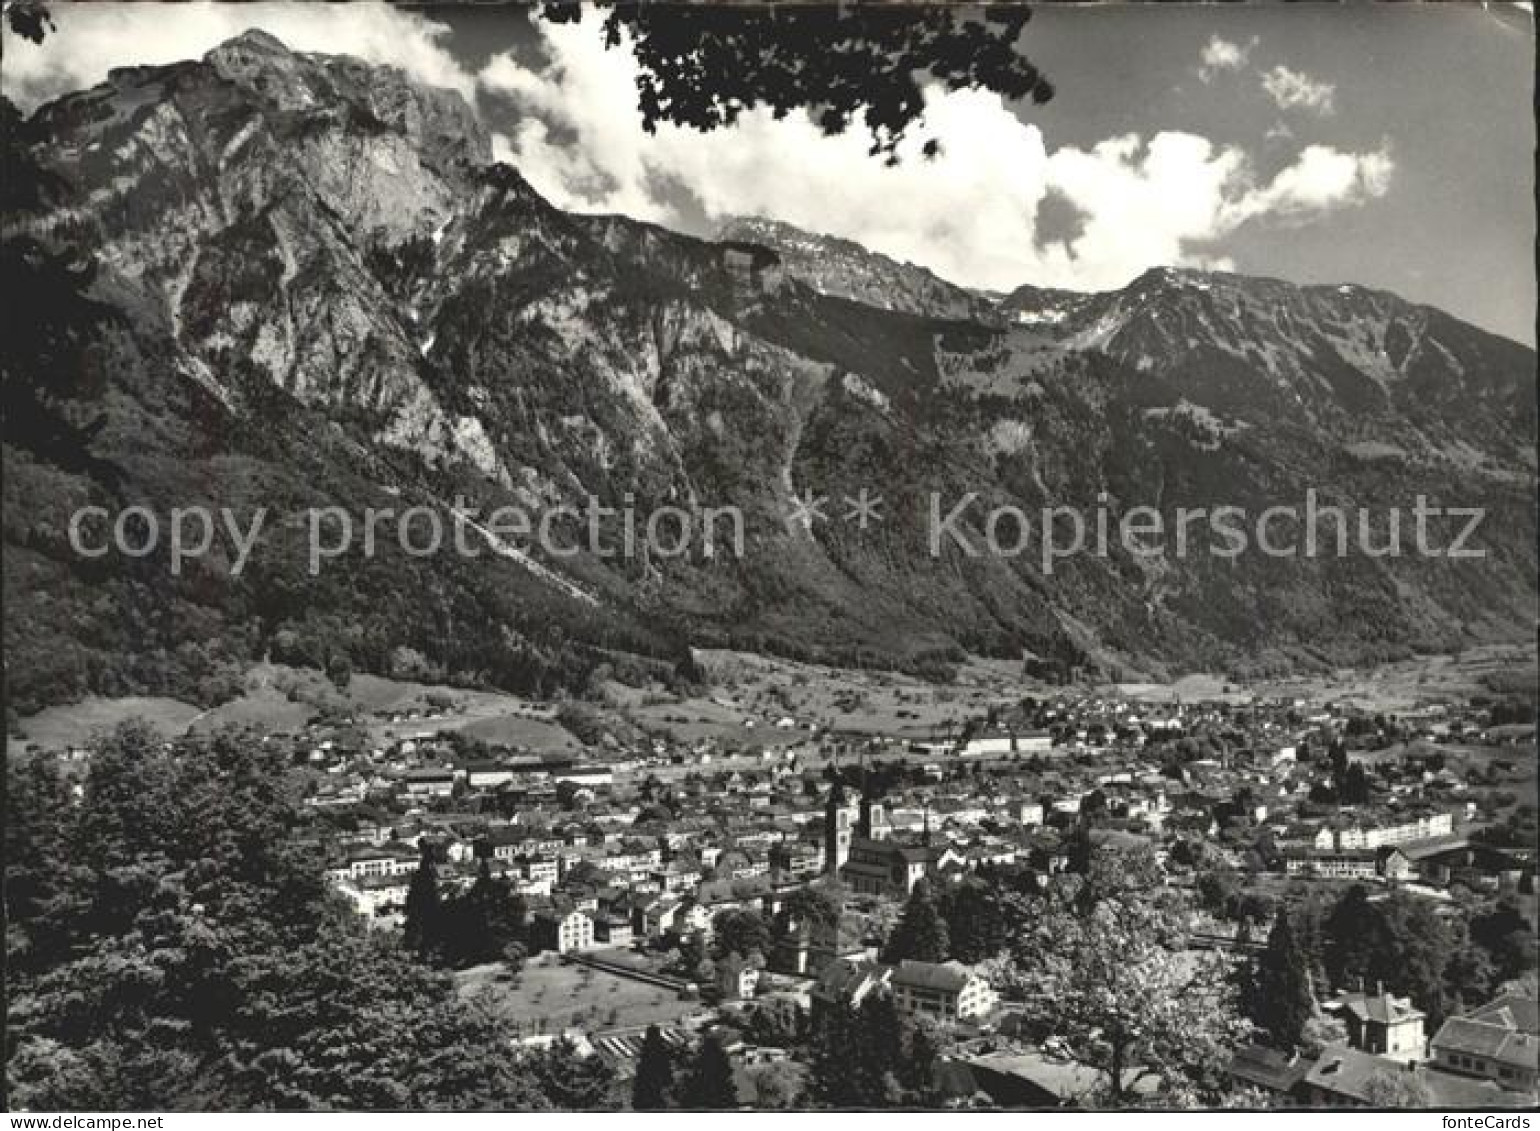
(295, 281)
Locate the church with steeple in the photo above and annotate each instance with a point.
(865, 857)
(838, 827)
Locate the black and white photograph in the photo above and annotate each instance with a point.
(753, 557)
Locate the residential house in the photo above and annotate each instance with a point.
(1335, 864)
(795, 861)
(371, 862)
(849, 981)
(562, 930)
(1279, 1075)
(487, 775)
(1386, 1025)
(944, 991)
(375, 895)
(613, 930)
(429, 782)
(1036, 1079)
(1340, 1078)
(1491, 1044)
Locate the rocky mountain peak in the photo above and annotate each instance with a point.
(438, 122)
(844, 269)
(252, 40)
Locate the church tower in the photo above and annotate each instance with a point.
(873, 822)
(837, 829)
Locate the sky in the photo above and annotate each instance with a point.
(1386, 145)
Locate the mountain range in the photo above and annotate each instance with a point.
(296, 281)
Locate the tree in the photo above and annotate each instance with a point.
(1413, 950)
(1404, 945)
(1388, 1088)
(921, 933)
(570, 1081)
(1320, 1032)
(810, 905)
(834, 1041)
(40, 902)
(1504, 934)
(740, 931)
(481, 924)
(1352, 939)
(209, 963)
(1107, 975)
(702, 67)
(919, 1073)
(29, 19)
(1337, 757)
(777, 1085)
(1469, 974)
(1284, 998)
(871, 1057)
(423, 926)
(1308, 921)
(709, 1085)
(693, 962)
(339, 669)
(1093, 806)
(776, 1021)
(653, 1088)
(1355, 785)
(1117, 874)
(514, 955)
(351, 1021)
(1218, 890)
(975, 920)
(855, 1055)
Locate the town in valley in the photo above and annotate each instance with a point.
(749, 863)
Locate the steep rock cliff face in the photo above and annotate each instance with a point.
(845, 269)
(301, 281)
(242, 196)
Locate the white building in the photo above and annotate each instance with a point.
(944, 992)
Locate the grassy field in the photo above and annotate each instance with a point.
(281, 700)
(549, 997)
(1491, 670)
(750, 695)
(767, 689)
(60, 728)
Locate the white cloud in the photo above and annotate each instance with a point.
(1320, 178)
(1222, 55)
(1295, 90)
(91, 39)
(970, 214)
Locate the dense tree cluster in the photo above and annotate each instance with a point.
(977, 922)
(1443, 963)
(872, 1056)
(172, 945)
(739, 931)
(698, 1080)
(921, 933)
(484, 923)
